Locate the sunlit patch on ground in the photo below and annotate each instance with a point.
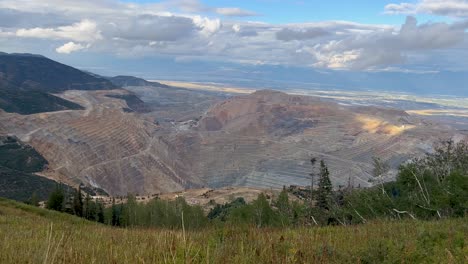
(375, 125)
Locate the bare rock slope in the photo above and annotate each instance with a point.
(262, 140)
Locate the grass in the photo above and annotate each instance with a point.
(34, 235)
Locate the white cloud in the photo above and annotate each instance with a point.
(86, 31)
(236, 28)
(388, 47)
(69, 47)
(208, 26)
(452, 8)
(135, 29)
(234, 12)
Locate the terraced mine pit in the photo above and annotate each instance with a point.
(193, 139)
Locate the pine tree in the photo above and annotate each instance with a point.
(78, 203)
(56, 199)
(115, 215)
(88, 210)
(324, 190)
(100, 212)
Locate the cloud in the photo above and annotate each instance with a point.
(85, 30)
(10, 18)
(234, 12)
(365, 51)
(207, 26)
(451, 8)
(242, 32)
(189, 29)
(69, 48)
(151, 28)
(287, 34)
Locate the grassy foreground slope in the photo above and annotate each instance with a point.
(32, 235)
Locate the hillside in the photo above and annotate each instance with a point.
(34, 72)
(31, 102)
(27, 84)
(49, 237)
(125, 81)
(18, 164)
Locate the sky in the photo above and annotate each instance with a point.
(208, 40)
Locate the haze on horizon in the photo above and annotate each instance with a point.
(415, 46)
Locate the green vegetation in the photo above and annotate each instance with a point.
(33, 235)
(32, 102)
(431, 187)
(18, 156)
(18, 162)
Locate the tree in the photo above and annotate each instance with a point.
(100, 212)
(34, 200)
(379, 170)
(263, 214)
(325, 188)
(56, 199)
(90, 210)
(284, 208)
(78, 203)
(115, 218)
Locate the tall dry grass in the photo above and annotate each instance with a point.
(33, 235)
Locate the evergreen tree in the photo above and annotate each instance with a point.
(56, 199)
(115, 218)
(34, 200)
(78, 203)
(88, 209)
(324, 190)
(100, 212)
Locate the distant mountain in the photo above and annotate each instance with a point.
(26, 81)
(34, 72)
(124, 81)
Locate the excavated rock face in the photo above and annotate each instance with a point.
(102, 146)
(262, 140)
(266, 140)
(268, 113)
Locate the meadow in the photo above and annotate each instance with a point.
(33, 235)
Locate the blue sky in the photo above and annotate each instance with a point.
(236, 40)
(297, 11)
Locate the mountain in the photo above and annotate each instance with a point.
(33, 72)
(124, 81)
(27, 84)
